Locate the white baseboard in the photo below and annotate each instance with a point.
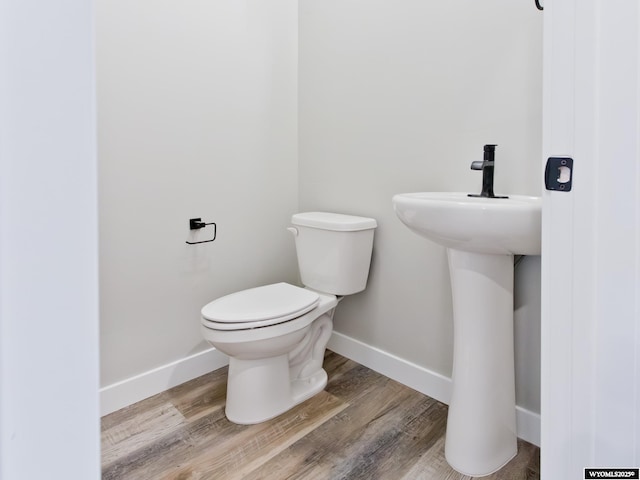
(131, 390)
(423, 380)
(419, 378)
(528, 425)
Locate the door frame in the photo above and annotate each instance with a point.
(591, 239)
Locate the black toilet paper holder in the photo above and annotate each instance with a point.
(197, 224)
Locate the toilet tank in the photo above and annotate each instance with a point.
(334, 251)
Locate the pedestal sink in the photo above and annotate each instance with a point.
(481, 235)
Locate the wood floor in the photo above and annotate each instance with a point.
(363, 426)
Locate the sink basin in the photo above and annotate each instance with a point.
(481, 235)
(472, 224)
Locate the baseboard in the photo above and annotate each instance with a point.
(131, 390)
(528, 425)
(419, 378)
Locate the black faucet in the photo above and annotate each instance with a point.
(487, 166)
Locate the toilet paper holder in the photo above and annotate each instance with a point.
(197, 224)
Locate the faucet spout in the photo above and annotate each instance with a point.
(487, 166)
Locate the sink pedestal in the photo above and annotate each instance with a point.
(481, 236)
(481, 426)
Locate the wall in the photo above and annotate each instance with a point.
(400, 96)
(196, 118)
(197, 108)
(49, 424)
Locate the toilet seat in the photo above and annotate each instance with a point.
(259, 307)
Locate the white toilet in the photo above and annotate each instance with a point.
(276, 335)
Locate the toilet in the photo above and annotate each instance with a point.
(276, 335)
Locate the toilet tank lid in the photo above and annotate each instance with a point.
(333, 221)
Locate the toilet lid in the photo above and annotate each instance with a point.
(261, 306)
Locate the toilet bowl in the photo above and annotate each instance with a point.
(276, 335)
(270, 369)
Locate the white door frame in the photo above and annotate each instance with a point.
(49, 415)
(591, 239)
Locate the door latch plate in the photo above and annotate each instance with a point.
(558, 174)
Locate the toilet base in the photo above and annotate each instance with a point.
(259, 390)
(303, 389)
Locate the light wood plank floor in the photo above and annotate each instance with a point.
(363, 426)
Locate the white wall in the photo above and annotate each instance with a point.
(196, 118)
(198, 106)
(400, 96)
(48, 242)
